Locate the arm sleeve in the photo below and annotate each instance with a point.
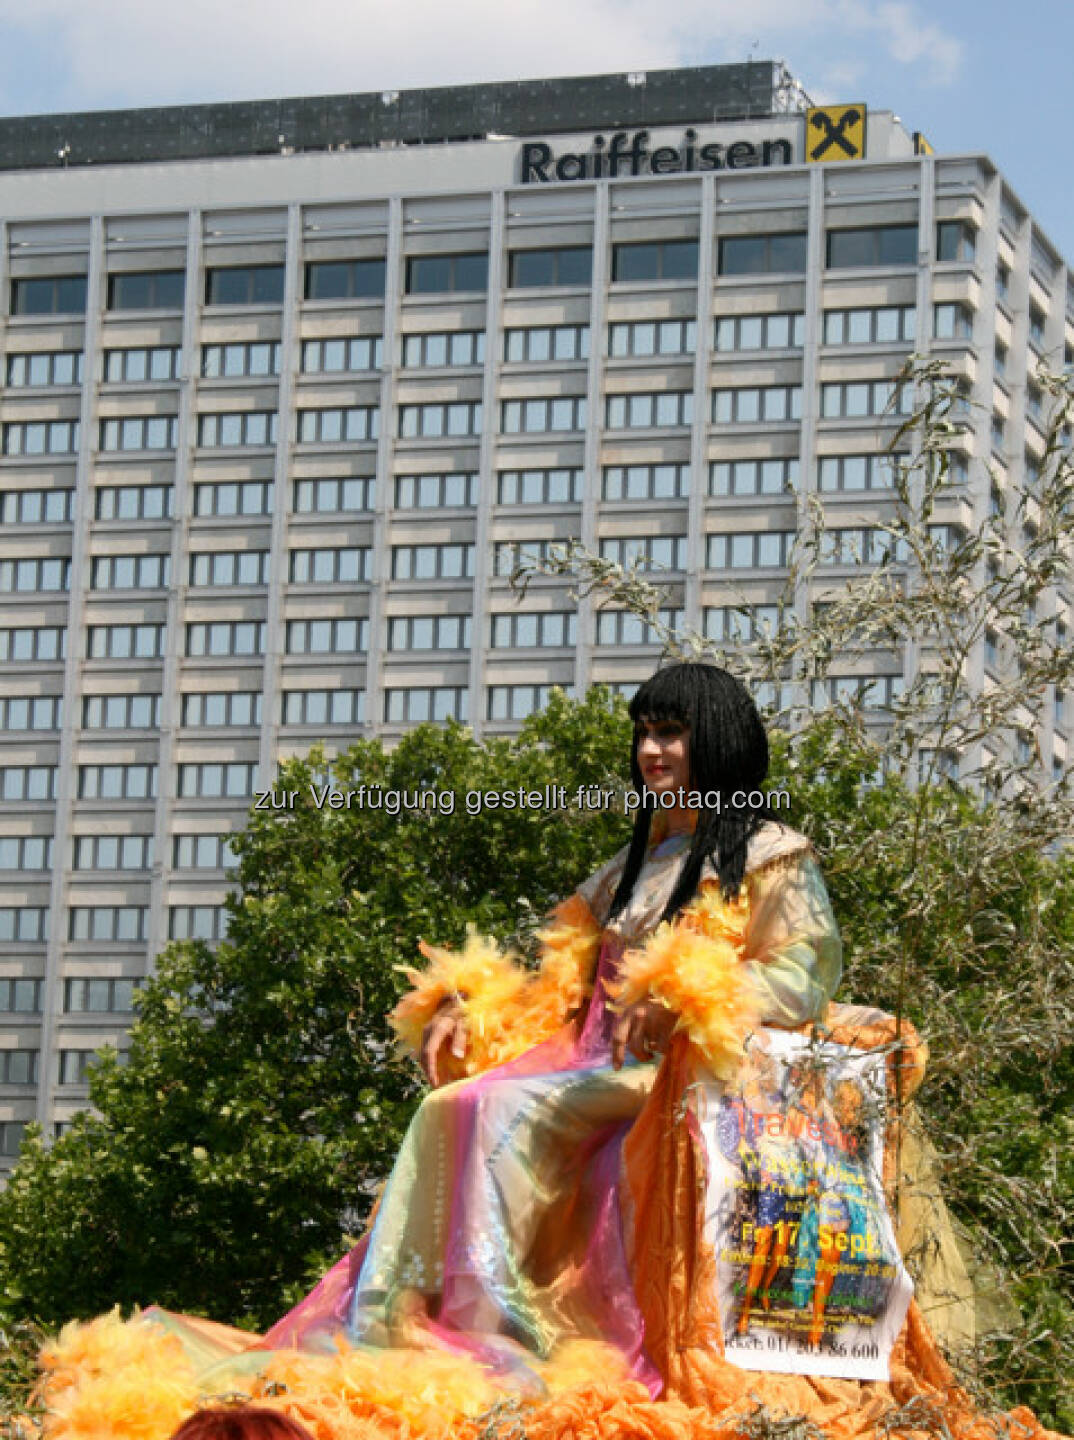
(792, 948)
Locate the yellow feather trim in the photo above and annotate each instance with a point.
(694, 968)
(507, 1008)
(115, 1380)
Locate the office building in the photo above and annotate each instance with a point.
(288, 384)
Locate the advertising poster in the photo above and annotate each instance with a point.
(809, 1274)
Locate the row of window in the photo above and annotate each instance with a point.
(632, 263)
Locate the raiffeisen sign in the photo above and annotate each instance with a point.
(633, 153)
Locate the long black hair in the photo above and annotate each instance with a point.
(728, 752)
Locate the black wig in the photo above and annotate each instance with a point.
(728, 752)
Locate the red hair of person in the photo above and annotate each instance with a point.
(240, 1422)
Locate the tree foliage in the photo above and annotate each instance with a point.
(262, 1101)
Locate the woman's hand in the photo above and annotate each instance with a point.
(645, 1029)
(447, 1027)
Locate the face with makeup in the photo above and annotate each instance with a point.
(663, 751)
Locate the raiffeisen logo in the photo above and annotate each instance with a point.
(632, 154)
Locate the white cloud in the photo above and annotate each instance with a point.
(140, 52)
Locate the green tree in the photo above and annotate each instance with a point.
(262, 1102)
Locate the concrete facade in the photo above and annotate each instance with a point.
(275, 425)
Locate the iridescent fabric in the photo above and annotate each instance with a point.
(501, 1230)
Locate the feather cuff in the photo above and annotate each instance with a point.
(694, 968)
(507, 1008)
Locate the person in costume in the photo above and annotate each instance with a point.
(544, 1235)
(507, 1228)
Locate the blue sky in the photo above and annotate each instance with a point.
(974, 75)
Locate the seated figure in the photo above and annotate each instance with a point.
(655, 1168)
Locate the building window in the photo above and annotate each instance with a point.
(133, 502)
(75, 1066)
(139, 432)
(117, 782)
(28, 576)
(564, 265)
(857, 472)
(540, 344)
(44, 367)
(24, 852)
(121, 712)
(753, 550)
(642, 338)
(349, 494)
(51, 295)
(11, 1137)
(782, 331)
(130, 572)
(436, 492)
(94, 996)
(233, 497)
(41, 437)
(113, 852)
(540, 415)
(1003, 281)
(254, 358)
(751, 405)
(245, 285)
(643, 412)
(432, 562)
(861, 545)
(411, 705)
(650, 552)
(323, 707)
(852, 400)
(646, 482)
(552, 630)
(107, 922)
(345, 279)
(157, 364)
(198, 922)
(515, 702)
(878, 325)
(781, 254)
(331, 427)
(1035, 404)
(952, 322)
(345, 636)
(742, 624)
(225, 637)
(203, 852)
(1000, 355)
(539, 487)
(999, 431)
(655, 260)
(753, 477)
(231, 779)
(34, 642)
(460, 417)
(1037, 322)
(331, 566)
(508, 555)
(229, 567)
(955, 240)
(341, 356)
(21, 997)
(147, 290)
(30, 712)
(125, 642)
(18, 1067)
(222, 707)
(622, 627)
(36, 507)
(444, 348)
(243, 427)
(872, 245)
(871, 692)
(441, 274)
(429, 632)
(24, 923)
